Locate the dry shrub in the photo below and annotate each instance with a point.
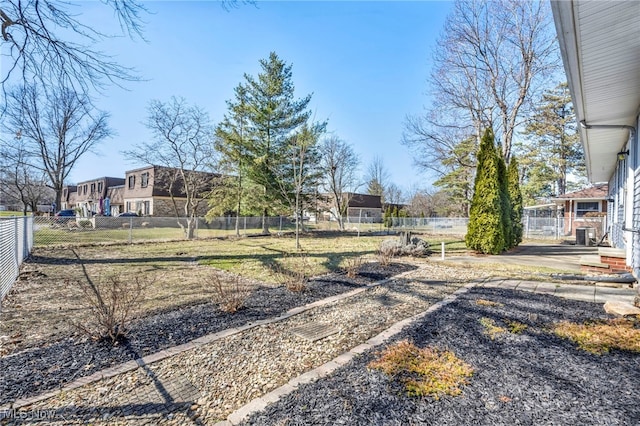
(386, 254)
(112, 303)
(294, 271)
(484, 302)
(352, 266)
(230, 294)
(493, 330)
(516, 327)
(424, 372)
(490, 327)
(599, 337)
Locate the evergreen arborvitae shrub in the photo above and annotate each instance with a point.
(505, 201)
(516, 201)
(485, 232)
(387, 218)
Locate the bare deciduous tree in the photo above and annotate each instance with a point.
(393, 194)
(339, 164)
(46, 40)
(302, 171)
(53, 131)
(182, 142)
(22, 183)
(490, 63)
(377, 178)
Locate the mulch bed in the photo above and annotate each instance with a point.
(531, 378)
(36, 370)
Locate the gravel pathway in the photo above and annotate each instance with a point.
(36, 370)
(206, 384)
(531, 378)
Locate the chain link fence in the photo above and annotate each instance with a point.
(16, 242)
(102, 229)
(20, 234)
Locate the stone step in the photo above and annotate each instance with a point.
(593, 261)
(621, 309)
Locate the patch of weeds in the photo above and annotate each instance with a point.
(490, 327)
(423, 372)
(599, 337)
(113, 302)
(230, 294)
(352, 266)
(484, 302)
(516, 327)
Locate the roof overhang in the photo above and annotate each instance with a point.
(600, 47)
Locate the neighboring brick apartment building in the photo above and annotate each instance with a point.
(91, 196)
(144, 191)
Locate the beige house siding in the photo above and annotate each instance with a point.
(139, 183)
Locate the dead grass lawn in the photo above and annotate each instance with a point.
(44, 302)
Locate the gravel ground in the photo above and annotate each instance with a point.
(531, 378)
(220, 377)
(34, 371)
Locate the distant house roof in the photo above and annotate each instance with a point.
(597, 191)
(364, 201)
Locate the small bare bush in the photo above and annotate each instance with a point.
(352, 266)
(294, 271)
(385, 255)
(112, 303)
(230, 294)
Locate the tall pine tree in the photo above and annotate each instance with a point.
(555, 146)
(232, 142)
(485, 232)
(273, 115)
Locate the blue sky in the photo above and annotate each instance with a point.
(366, 64)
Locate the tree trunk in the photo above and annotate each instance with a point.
(298, 219)
(191, 227)
(58, 200)
(265, 224)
